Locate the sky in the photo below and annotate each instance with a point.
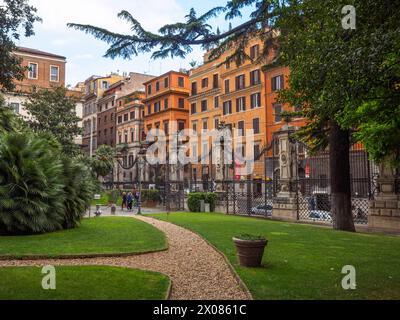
(85, 54)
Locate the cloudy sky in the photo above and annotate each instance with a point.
(85, 54)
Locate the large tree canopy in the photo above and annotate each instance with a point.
(53, 111)
(16, 17)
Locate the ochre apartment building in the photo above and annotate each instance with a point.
(166, 105)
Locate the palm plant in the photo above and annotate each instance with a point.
(79, 189)
(31, 185)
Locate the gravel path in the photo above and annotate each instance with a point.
(197, 271)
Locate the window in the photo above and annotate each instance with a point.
(216, 123)
(256, 151)
(205, 124)
(149, 109)
(181, 82)
(54, 73)
(256, 125)
(157, 86)
(216, 102)
(228, 64)
(194, 126)
(181, 125)
(149, 89)
(240, 82)
(277, 83)
(165, 104)
(157, 106)
(227, 86)
(204, 83)
(166, 82)
(33, 70)
(193, 108)
(119, 138)
(194, 88)
(105, 119)
(120, 119)
(126, 137)
(240, 104)
(181, 103)
(255, 77)
(166, 128)
(278, 110)
(241, 128)
(132, 115)
(215, 81)
(104, 85)
(126, 117)
(227, 107)
(14, 106)
(255, 100)
(254, 51)
(203, 105)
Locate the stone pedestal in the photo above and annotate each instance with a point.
(285, 203)
(384, 213)
(285, 208)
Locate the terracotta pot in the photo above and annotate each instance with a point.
(250, 252)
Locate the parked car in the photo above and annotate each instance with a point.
(320, 215)
(263, 209)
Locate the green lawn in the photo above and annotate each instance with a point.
(108, 235)
(83, 283)
(303, 261)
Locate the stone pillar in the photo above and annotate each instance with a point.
(219, 169)
(384, 213)
(285, 203)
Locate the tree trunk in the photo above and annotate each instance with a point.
(339, 166)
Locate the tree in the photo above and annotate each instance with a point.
(15, 16)
(334, 71)
(54, 112)
(103, 161)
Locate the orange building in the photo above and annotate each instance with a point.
(166, 104)
(167, 101)
(205, 112)
(232, 94)
(276, 78)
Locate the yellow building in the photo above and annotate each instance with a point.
(232, 94)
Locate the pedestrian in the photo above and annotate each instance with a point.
(124, 201)
(130, 201)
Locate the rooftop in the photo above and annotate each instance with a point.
(39, 53)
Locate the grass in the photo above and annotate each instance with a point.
(304, 261)
(108, 235)
(83, 283)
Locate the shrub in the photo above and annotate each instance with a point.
(79, 190)
(151, 195)
(31, 185)
(195, 198)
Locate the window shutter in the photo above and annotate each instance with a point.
(282, 79)
(244, 103)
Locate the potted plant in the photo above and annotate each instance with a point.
(250, 249)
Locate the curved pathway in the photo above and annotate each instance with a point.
(197, 271)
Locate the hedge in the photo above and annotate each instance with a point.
(194, 199)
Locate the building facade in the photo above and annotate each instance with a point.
(44, 70)
(166, 107)
(95, 86)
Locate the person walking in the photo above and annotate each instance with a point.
(130, 201)
(124, 201)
